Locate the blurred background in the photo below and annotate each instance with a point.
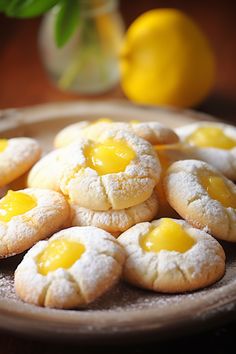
(25, 82)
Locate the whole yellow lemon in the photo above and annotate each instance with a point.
(166, 60)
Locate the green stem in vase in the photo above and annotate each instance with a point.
(89, 50)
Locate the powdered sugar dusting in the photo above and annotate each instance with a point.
(120, 190)
(19, 155)
(187, 195)
(87, 278)
(116, 220)
(124, 298)
(23, 230)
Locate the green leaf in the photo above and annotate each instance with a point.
(66, 21)
(3, 5)
(28, 8)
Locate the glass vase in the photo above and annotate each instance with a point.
(88, 62)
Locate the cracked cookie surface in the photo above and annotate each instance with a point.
(17, 156)
(116, 189)
(43, 212)
(168, 268)
(115, 221)
(202, 196)
(96, 269)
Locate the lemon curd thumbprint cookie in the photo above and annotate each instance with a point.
(212, 142)
(27, 216)
(203, 196)
(118, 172)
(171, 256)
(72, 269)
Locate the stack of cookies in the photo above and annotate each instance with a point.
(108, 172)
(119, 177)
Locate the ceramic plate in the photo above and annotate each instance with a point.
(125, 313)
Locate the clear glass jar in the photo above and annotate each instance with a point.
(88, 62)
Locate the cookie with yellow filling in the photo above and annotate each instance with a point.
(27, 216)
(47, 171)
(72, 269)
(115, 221)
(203, 197)
(17, 156)
(212, 142)
(153, 132)
(169, 255)
(118, 172)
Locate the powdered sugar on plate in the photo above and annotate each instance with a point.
(124, 297)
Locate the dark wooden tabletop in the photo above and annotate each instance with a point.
(218, 341)
(23, 82)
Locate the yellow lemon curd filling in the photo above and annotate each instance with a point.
(61, 253)
(218, 190)
(15, 203)
(168, 236)
(102, 120)
(211, 137)
(3, 144)
(111, 156)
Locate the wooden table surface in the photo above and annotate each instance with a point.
(23, 82)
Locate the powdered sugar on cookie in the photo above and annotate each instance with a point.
(22, 231)
(86, 187)
(17, 158)
(188, 196)
(116, 221)
(98, 268)
(172, 271)
(222, 159)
